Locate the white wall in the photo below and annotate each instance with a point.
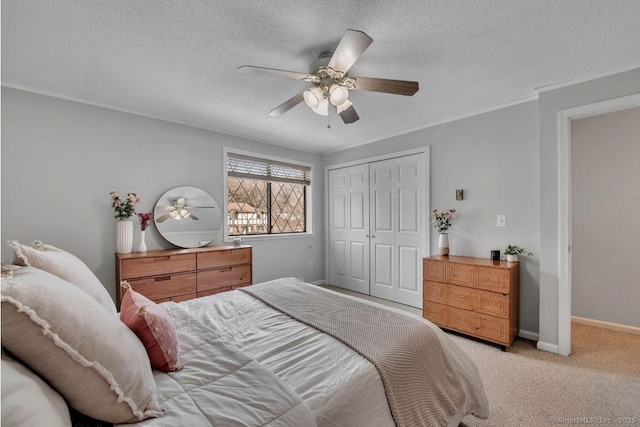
(60, 160)
(605, 190)
(493, 157)
(549, 104)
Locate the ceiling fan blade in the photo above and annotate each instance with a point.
(396, 87)
(349, 115)
(352, 45)
(192, 216)
(249, 69)
(162, 218)
(278, 111)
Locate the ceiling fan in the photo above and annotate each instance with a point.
(330, 81)
(178, 210)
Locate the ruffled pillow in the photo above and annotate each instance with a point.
(94, 361)
(64, 265)
(153, 326)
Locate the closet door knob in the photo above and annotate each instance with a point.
(373, 235)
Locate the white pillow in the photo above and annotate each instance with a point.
(89, 356)
(64, 265)
(29, 401)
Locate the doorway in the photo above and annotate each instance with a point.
(564, 211)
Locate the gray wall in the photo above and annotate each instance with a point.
(60, 160)
(549, 104)
(494, 158)
(605, 205)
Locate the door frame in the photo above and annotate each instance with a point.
(564, 205)
(426, 194)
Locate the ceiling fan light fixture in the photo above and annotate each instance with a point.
(345, 105)
(312, 97)
(323, 107)
(338, 94)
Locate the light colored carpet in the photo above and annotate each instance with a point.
(598, 384)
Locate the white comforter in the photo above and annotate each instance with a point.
(248, 364)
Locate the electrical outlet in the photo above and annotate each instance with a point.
(502, 220)
(310, 263)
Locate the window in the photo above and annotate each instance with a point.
(266, 196)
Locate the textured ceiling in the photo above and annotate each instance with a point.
(177, 60)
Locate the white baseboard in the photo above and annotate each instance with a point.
(319, 282)
(606, 325)
(533, 336)
(551, 348)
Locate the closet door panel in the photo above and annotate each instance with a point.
(338, 231)
(338, 257)
(358, 228)
(383, 213)
(410, 228)
(408, 276)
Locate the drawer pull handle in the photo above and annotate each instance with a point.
(162, 258)
(162, 279)
(225, 269)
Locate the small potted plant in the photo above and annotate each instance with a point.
(512, 252)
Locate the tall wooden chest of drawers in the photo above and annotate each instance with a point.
(182, 274)
(475, 296)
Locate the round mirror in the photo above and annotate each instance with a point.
(187, 217)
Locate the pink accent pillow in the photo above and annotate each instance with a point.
(152, 324)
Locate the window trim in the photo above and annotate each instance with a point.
(257, 237)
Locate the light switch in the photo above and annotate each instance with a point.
(502, 220)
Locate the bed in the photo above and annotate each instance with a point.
(243, 362)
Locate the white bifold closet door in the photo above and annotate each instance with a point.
(377, 228)
(349, 225)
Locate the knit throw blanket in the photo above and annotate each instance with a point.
(421, 387)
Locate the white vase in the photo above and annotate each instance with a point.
(512, 258)
(124, 236)
(142, 247)
(443, 244)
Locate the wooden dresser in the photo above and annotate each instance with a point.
(475, 296)
(182, 274)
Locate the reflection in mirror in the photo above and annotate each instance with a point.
(187, 217)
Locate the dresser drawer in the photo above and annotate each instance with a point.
(436, 313)
(493, 279)
(153, 266)
(435, 292)
(224, 258)
(493, 328)
(461, 274)
(493, 303)
(462, 320)
(224, 277)
(434, 270)
(461, 297)
(165, 287)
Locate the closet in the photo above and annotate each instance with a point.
(377, 228)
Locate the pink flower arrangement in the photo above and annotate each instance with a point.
(441, 219)
(124, 208)
(145, 218)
